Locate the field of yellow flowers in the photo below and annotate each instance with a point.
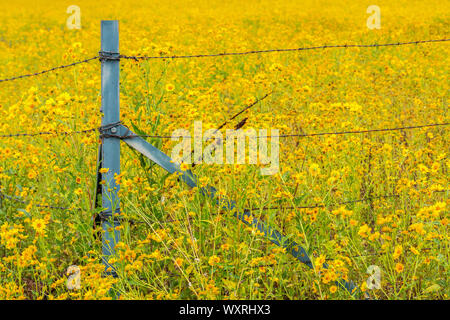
(181, 246)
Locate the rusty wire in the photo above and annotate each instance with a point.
(344, 46)
(50, 70)
(303, 135)
(43, 133)
(104, 55)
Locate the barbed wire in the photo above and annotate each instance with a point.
(141, 57)
(244, 109)
(358, 131)
(104, 55)
(338, 203)
(302, 134)
(302, 207)
(50, 70)
(16, 199)
(42, 133)
(238, 126)
(324, 205)
(128, 136)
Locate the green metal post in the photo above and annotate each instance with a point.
(110, 145)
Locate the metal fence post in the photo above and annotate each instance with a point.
(110, 145)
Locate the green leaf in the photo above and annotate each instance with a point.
(433, 288)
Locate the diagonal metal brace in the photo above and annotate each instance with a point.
(164, 161)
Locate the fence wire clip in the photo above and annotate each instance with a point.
(115, 130)
(108, 56)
